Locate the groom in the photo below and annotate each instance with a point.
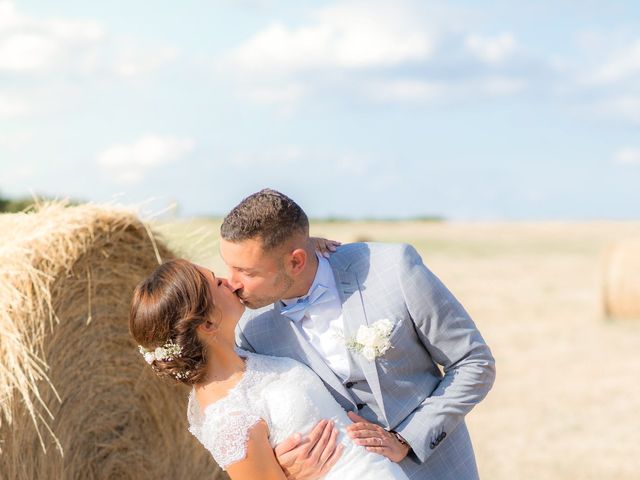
(409, 396)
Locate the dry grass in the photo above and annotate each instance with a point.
(78, 401)
(566, 401)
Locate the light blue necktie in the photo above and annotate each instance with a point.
(319, 294)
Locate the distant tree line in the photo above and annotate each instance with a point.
(14, 205)
(418, 218)
(8, 205)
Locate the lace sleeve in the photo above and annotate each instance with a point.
(226, 436)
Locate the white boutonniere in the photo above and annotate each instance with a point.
(372, 341)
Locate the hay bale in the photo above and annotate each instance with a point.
(622, 280)
(77, 400)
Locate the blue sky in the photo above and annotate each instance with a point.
(472, 110)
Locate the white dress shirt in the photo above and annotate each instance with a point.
(322, 324)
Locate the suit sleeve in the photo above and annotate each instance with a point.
(453, 341)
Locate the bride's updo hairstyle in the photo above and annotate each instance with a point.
(166, 309)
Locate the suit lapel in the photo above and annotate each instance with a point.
(304, 352)
(354, 315)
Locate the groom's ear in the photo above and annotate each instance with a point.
(297, 261)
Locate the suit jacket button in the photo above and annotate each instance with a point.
(361, 406)
(432, 445)
(348, 384)
(442, 435)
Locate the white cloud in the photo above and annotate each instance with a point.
(12, 106)
(15, 141)
(375, 51)
(431, 92)
(628, 156)
(622, 65)
(125, 58)
(9, 16)
(605, 75)
(27, 51)
(136, 61)
(29, 44)
(75, 30)
(491, 49)
(405, 90)
(127, 163)
(350, 35)
(624, 106)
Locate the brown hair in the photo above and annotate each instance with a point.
(169, 305)
(269, 215)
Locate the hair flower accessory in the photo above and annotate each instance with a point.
(168, 351)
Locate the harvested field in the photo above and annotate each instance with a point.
(566, 401)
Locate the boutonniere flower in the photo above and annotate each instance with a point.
(372, 341)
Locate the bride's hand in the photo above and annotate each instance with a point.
(323, 246)
(311, 457)
(376, 439)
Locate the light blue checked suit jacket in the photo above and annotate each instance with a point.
(432, 329)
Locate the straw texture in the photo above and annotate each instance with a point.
(77, 401)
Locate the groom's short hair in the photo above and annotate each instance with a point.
(269, 215)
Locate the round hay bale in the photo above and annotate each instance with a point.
(77, 399)
(622, 280)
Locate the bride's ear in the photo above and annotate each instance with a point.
(208, 327)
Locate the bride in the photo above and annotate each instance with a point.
(242, 404)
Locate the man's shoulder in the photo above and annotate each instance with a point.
(358, 254)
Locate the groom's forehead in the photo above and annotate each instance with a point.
(244, 254)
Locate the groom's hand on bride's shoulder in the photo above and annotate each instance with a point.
(376, 439)
(312, 456)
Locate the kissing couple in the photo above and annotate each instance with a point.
(314, 359)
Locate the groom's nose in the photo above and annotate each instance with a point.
(234, 283)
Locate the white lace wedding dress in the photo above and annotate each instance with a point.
(290, 398)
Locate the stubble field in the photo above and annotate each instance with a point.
(566, 403)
